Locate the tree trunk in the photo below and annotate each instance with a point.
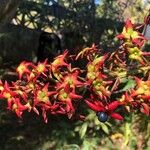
(8, 9)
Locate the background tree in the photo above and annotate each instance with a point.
(8, 9)
(120, 10)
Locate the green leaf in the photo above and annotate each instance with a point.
(127, 132)
(83, 130)
(72, 147)
(105, 128)
(89, 144)
(130, 83)
(124, 80)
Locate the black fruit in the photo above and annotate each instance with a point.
(102, 116)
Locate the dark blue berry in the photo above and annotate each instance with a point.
(102, 116)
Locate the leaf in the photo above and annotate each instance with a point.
(86, 145)
(3, 34)
(129, 85)
(71, 147)
(127, 133)
(83, 130)
(105, 128)
(91, 115)
(123, 80)
(89, 144)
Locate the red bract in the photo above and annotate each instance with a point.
(19, 89)
(96, 63)
(145, 108)
(100, 88)
(8, 94)
(32, 76)
(136, 53)
(130, 35)
(94, 68)
(88, 52)
(23, 68)
(41, 68)
(30, 86)
(133, 42)
(96, 79)
(58, 64)
(142, 89)
(97, 106)
(141, 94)
(128, 100)
(59, 61)
(18, 107)
(43, 95)
(71, 80)
(13, 97)
(134, 102)
(67, 95)
(48, 109)
(1, 89)
(38, 71)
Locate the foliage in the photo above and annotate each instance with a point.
(58, 88)
(121, 10)
(112, 84)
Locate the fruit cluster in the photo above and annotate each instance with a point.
(59, 88)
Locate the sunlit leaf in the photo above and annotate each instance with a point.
(105, 128)
(130, 83)
(83, 130)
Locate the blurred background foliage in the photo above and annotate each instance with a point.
(79, 23)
